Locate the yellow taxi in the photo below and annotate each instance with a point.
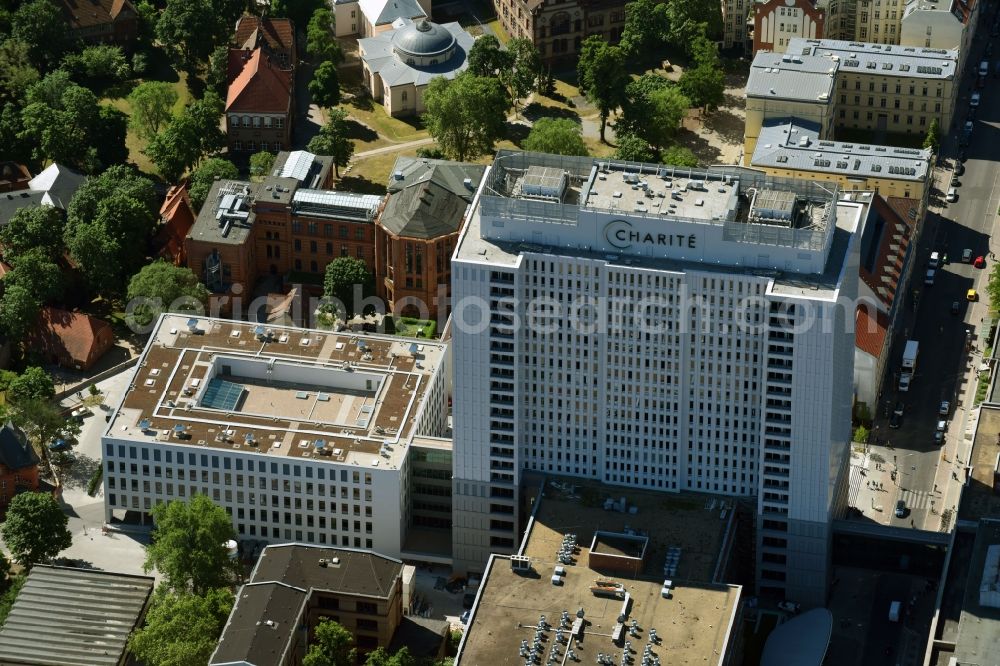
(971, 295)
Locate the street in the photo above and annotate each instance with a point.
(927, 475)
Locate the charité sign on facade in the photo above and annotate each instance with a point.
(621, 234)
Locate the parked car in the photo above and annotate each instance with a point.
(955, 182)
(967, 255)
(464, 619)
(938, 437)
(895, 421)
(974, 101)
(980, 262)
(900, 509)
(972, 295)
(959, 168)
(80, 413)
(944, 408)
(929, 277)
(951, 196)
(60, 445)
(904, 382)
(942, 425)
(899, 408)
(956, 307)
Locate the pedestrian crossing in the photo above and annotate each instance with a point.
(919, 499)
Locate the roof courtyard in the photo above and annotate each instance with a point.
(694, 620)
(285, 392)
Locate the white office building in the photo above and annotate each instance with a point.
(656, 328)
(301, 435)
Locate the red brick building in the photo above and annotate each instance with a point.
(275, 35)
(775, 22)
(176, 220)
(18, 465)
(260, 103)
(285, 226)
(102, 21)
(70, 339)
(416, 231)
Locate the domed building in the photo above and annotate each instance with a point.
(398, 64)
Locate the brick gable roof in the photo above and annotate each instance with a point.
(256, 84)
(75, 332)
(278, 34)
(86, 13)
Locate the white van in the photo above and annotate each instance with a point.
(984, 68)
(904, 382)
(935, 258)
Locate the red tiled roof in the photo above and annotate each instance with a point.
(870, 332)
(178, 218)
(75, 332)
(86, 13)
(277, 33)
(883, 279)
(258, 86)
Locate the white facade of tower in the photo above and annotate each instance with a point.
(649, 350)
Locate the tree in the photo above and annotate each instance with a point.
(465, 115)
(933, 138)
(38, 273)
(632, 148)
(325, 85)
(705, 52)
(19, 309)
(41, 25)
(163, 287)
(108, 223)
(63, 122)
(524, 72)
(332, 646)
(560, 136)
(34, 227)
(35, 528)
(260, 165)
(320, 42)
(653, 110)
(487, 57)
(152, 104)
(646, 29)
(332, 140)
(181, 629)
(679, 156)
(993, 289)
(188, 138)
(209, 171)
(42, 421)
(17, 71)
(602, 76)
(343, 274)
(216, 77)
(191, 29)
(32, 384)
(98, 65)
(703, 86)
(381, 657)
(687, 20)
(189, 545)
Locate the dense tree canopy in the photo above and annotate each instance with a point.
(152, 104)
(646, 29)
(189, 545)
(41, 25)
(560, 136)
(209, 171)
(32, 384)
(679, 156)
(35, 528)
(17, 70)
(108, 223)
(320, 42)
(632, 148)
(332, 646)
(465, 115)
(653, 111)
(260, 165)
(602, 76)
(325, 85)
(343, 275)
(299, 11)
(34, 227)
(191, 29)
(182, 628)
(188, 138)
(162, 287)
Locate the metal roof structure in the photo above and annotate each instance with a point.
(382, 57)
(297, 165)
(795, 144)
(341, 205)
(73, 617)
(806, 78)
(801, 641)
(880, 59)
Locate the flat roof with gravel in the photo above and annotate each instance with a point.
(694, 625)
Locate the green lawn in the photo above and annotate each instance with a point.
(133, 142)
(414, 328)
